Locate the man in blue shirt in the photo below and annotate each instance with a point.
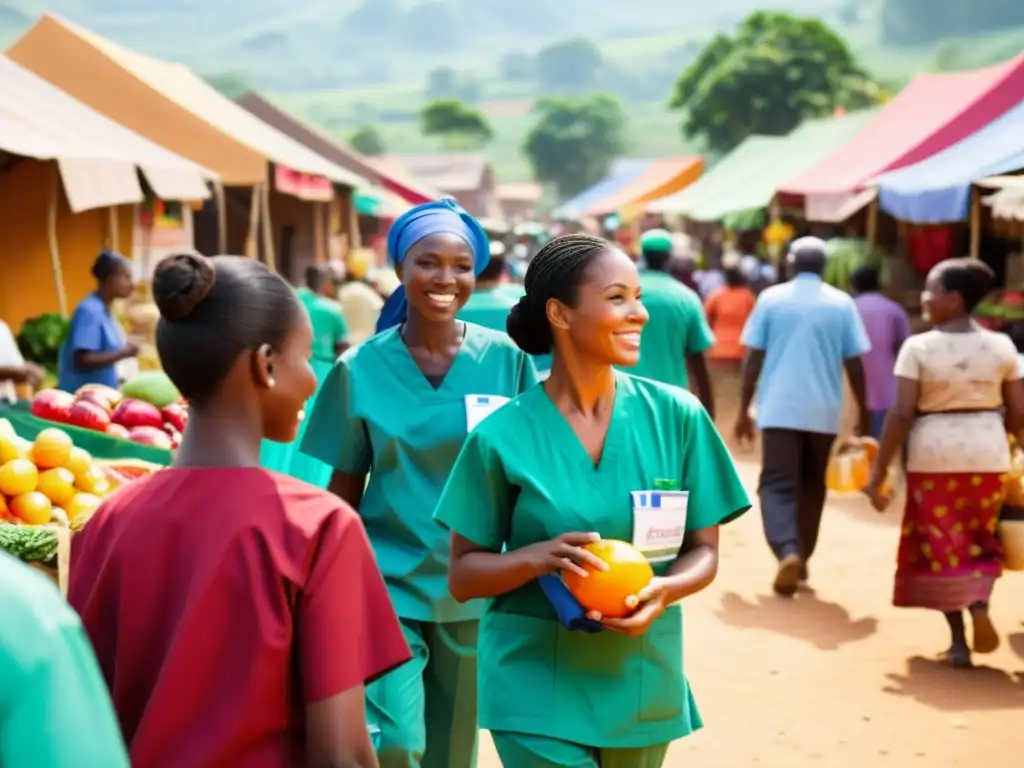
(799, 338)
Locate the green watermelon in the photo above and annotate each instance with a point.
(153, 387)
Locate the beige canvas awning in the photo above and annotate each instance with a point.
(167, 103)
(99, 160)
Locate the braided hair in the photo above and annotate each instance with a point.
(555, 273)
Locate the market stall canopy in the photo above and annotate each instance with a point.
(408, 188)
(98, 159)
(662, 177)
(938, 190)
(723, 179)
(621, 173)
(171, 105)
(805, 146)
(933, 112)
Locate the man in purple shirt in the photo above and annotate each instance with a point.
(888, 327)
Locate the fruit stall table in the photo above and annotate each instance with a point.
(100, 445)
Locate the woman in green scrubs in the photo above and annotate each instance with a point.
(593, 452)
(398, 408)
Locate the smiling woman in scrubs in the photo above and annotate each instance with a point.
(236, 614)
(398, 408)
(584, 456)
(96, 342)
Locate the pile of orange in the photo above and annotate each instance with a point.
(47, 480)
(612, 593)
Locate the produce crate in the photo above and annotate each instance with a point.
(101, 446)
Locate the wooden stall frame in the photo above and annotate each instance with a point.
(52, 213)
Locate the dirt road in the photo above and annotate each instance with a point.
(838, 678)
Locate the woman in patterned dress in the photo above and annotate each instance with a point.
(953, 384)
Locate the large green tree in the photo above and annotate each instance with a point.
(775, 71)
(458, 124)
(575, 140)
(367, 140)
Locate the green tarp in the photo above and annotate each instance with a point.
(101, 446)
(721, 180)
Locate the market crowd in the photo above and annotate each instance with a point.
(354, 558)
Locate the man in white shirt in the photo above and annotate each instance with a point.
(13, 368)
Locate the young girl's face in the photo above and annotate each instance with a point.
(937, 304)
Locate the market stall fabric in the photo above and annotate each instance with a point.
(938, 190)
(725, 178)
(662, 177)
(933, 112)
(167, 103)
(98, 159)
(622, 172)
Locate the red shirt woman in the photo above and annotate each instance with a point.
(236, 614)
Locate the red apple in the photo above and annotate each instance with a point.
(177, 416)
(89, 416)
(153, 436)
(116, 430)
(104, 396)
(52, 404)
(136, 413)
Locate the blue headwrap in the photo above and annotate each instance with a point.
(434, 218)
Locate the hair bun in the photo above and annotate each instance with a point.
(180, 283)
(528, 327)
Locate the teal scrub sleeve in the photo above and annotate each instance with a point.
(475, 502)
(855, 336)
(699, 336)
(755, 332)
(335, 434)
(716, 493)
(527, 375)
(340, 326)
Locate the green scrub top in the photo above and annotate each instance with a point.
(377, 413)
(524, 477)
(329, 326)
(55, 711)
(514, 291)
(489, 307)
(677, 329)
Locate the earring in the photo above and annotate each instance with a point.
(271, 383)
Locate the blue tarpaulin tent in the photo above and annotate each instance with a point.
(938, 190)
(623, 171)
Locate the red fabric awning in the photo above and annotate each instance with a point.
(933, 112)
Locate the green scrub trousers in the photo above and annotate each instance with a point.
(519, 750)
(426, 709)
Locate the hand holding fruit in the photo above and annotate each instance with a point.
(565, 553)
(650, 603)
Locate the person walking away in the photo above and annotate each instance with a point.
(799, 338)
(237, 614)
(13, 368)
(390, 420)
(952, 383)
(759, 273)
(564, 464)
(887, 326)
(54, 707)
(330, 339)
(677, 336)
(728, 309)
(361, 304)
(96, 342)
(492, 300)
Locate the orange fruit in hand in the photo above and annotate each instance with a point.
(58, 485)
(609, 592)
(18, 477)
(33, 508)
(52, 448)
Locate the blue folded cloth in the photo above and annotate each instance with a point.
(570, 613)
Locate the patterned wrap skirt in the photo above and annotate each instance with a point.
(949, 556)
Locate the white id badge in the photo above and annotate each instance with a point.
(659, 523)
(479, 407)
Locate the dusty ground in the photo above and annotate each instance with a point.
(838, 678)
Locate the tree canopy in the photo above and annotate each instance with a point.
(455, 122)
(574, 141)
(367, 139)
(568, 65)
(773, 73)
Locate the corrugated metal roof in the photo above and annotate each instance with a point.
(98, 158)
